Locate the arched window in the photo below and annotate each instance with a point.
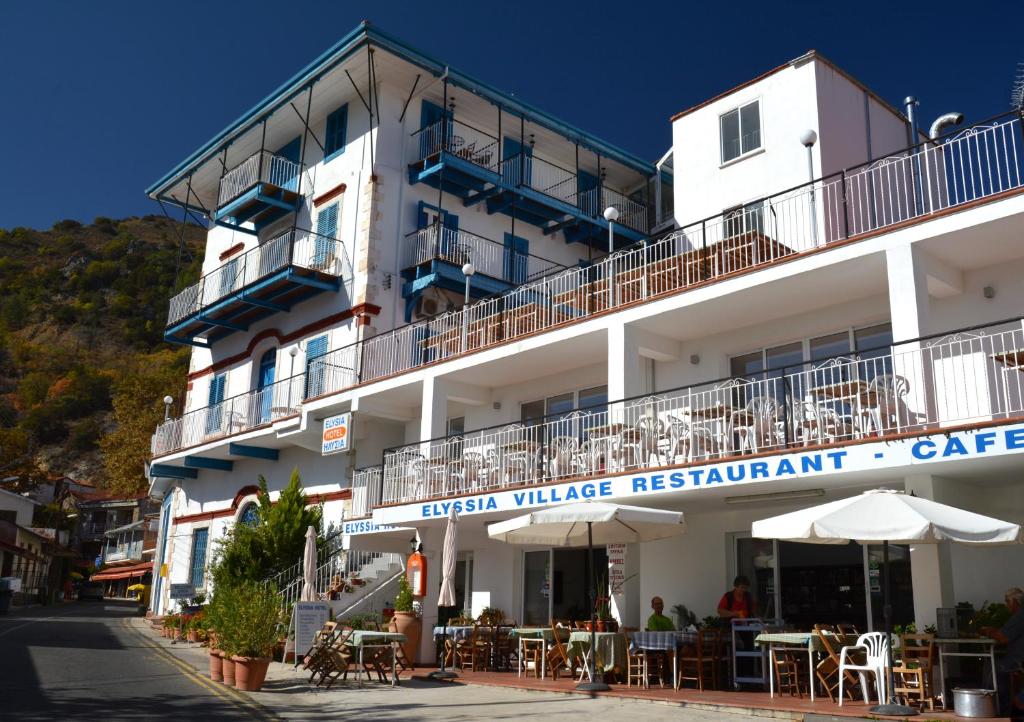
(250, 514)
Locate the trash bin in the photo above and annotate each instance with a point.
(5, 599)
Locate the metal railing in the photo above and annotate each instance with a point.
(334, 574)
(488, 257)
(231, 416)
(914, 387)
(297, 248)
(261, 167)
(366, 490)
(524, 169)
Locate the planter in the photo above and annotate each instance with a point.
(601, 625)
(228, 670)
(216, 666)
(193, 635)
(411, 626)
(250, 672)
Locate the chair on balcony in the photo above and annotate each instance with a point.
(690, 439)
(758, 425)
(890, 411)
(816, 423)
(642, 441)
(474, 472)
(563, 456)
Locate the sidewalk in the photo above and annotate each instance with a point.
(287, 695)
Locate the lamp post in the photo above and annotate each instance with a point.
(293, 352)
(468, 269)
(168, 400)
(611, 214)
(808, 138)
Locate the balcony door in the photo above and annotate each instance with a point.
(265, 383)
(430, 130)
(286, 175)
(215, 403)
(517, 254)
(516, 162)
(316, 366)
(443, 245)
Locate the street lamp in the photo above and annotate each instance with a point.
(808, 138)
(168, 400)
(468, 269)
(611, 214)
(293, 352)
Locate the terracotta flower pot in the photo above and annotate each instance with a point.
(600, 625)
(193, 635)
(411, 626)
(216, 666)
(228, 670)
(250, 672)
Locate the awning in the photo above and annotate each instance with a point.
(136, 570)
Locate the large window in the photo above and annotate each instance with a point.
(561, 404)
(334, 134)
(741, 131)
(197, 567)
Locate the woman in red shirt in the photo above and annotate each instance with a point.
(738, 602)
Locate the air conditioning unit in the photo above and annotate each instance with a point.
(426, 306)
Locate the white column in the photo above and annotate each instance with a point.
(931, 568)
(432, 539)
(433, 409)
(909, 309)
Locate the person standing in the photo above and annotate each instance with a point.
(738, 602)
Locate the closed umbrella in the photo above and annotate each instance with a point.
(589, 522)
(885, 516)
(447, 597)
(309, 567)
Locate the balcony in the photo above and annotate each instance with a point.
(263, 188)
(434, 256)
(238, 414)
(970, 377)
(467, 162)
(366, 490)
(267, 279)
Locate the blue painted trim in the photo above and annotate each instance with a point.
(277, 307)
(352, 44)
(233, 227)
(201, 462)
(314, 282)
(253, 194)
(253, 452)
(166, 471)
(191, 341)
(223, 324)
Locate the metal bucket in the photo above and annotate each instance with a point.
(974, 702)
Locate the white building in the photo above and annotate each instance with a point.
(757, 341)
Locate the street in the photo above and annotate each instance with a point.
(81, 660)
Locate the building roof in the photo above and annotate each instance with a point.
(365, 35)
(126, 527)
(27, 499)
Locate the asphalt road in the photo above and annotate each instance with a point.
(81, 661)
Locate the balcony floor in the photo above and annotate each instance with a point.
(260, 205)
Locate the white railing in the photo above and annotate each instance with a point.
(298, 248)
(261, 167)
(232, 416)
(926, 385)
(333, 371)
(334, 575)
(459, 139)
(366, 490)
(488, 257)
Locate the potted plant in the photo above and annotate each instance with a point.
(491, 615)
(248, 631)
(405, 619)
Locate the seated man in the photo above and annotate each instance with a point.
(1012, 635)
(658, 622)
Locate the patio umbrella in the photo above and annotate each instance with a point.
(309, 567)
(589, 522)
(449, 552)
(885, 516)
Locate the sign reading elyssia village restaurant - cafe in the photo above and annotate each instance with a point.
(886, 457)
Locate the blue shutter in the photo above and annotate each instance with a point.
(517, 252)
(510, 162)
(337, 127)
(215, 410)
(587, 199)
(268, 365)
(327, 231)
(315, 365)
(198, 566)
(430, 141)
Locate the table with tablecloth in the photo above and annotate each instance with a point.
(364, 638)
(457, 633)
(663, 642)
(611, 649)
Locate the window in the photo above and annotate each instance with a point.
(741, 131)
(316, 366)
(197, 573)
(250, 514)
(457, 426)
(215, 405)
(326, 232)
(562, 404)
(334, 135)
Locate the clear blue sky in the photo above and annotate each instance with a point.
(99, 99)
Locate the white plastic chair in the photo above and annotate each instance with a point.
(875, 647)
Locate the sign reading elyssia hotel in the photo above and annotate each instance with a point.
(336, 436)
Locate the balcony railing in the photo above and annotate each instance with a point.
(914, 387)
(488, 257)
(232, 416)
(294, 248)
(482, 149)
(366, 490)
(261, 167)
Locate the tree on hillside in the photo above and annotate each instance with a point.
(138, 408)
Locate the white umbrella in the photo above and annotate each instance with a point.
(887, 517)
(589, 522)
(309, 567)
(449, 554)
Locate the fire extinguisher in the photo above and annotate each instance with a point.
(416, 573)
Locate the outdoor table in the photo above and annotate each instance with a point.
(456, 634)
(944, 651)
(664, 642)
(1013, 359)
(523, 634)
(811, 641)
(361, 639)
(611, 649)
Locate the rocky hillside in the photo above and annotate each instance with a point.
(82, 311)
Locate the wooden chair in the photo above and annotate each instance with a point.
(530, 650)
(321, 642)
(636, 668)
(918, 651)
(336, 661)
(558, 657)
(909, 686)
(827, 669)
(787, 672)
(847, 630)
(473, 650)
(506, 651)
(703, 663)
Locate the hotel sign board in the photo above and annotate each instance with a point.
(889, 458)
(337, 434)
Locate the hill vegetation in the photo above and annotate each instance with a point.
(83, 364)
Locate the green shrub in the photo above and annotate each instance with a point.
(403, 600)
(247, 619)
